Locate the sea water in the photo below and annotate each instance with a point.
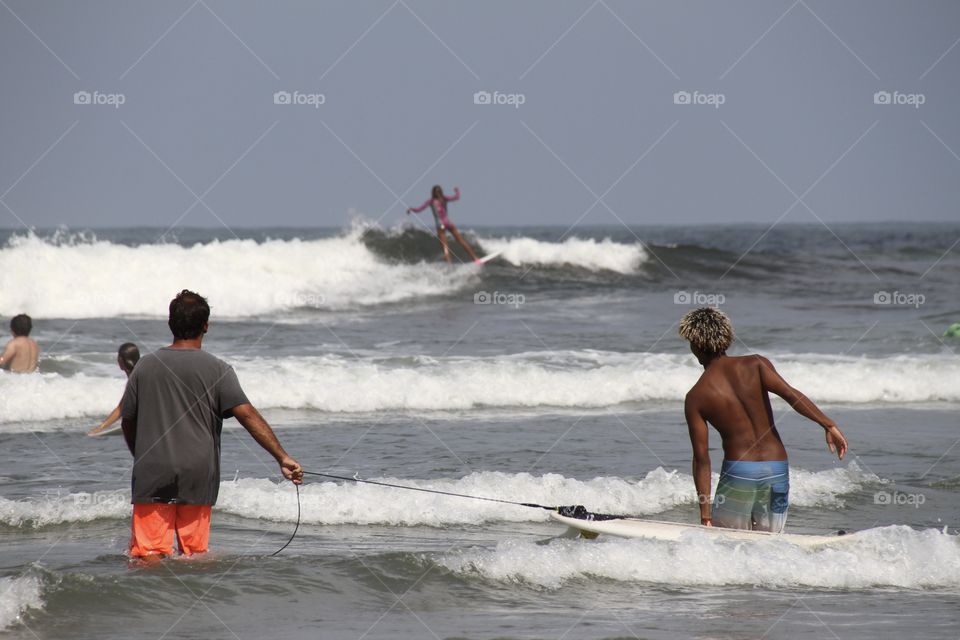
(552, 375)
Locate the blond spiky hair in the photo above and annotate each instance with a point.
(708, 330)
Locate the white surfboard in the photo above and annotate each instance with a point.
(674, 531)
(113, 430)
(487, 258)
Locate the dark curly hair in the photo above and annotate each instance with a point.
(21, 325)
(189, 313)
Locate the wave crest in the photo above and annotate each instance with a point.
(590, 254)
(336, 503)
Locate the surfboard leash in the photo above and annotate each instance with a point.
(295, 529)
(577, 511)
(531, 505)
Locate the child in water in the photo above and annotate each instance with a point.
(127, 356)
(438, 203)
(21, 355)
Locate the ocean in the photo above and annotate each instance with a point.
(554, 375)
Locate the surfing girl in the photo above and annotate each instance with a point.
(438, 203)
(127, 356)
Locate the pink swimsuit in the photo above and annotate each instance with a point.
(439, 209)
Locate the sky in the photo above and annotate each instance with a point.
(216, 113)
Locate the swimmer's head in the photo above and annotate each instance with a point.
(437, 192)
(189, 313)
(21, 325)
(127, 356)
(709, 332)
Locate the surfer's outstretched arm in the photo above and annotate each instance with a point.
(774, 383)
(700, 439)
(420, 208)
(455, 196)
(113, 417)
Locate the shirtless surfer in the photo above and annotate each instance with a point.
(438, 204)
(21, 354)
(732, 395)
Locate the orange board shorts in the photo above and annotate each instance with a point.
(155, 524)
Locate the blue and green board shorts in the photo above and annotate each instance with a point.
(752, 495)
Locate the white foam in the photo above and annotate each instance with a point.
(17, 594)
(846, 379)
(571, 379)
(241, 278)
(50, 396)
(339, 503)
(335, 503)
(603, 255)
(560, 379)
(826, 488)
(58, 507)
(885, 557)
(348, 503)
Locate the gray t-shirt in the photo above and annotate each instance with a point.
(179, 398)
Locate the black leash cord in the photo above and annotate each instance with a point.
(295, 529)
(532, 505)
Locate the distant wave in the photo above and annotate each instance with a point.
(80, 276)
(241, 278)
(560, 379)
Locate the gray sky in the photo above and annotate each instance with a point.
(598, 138)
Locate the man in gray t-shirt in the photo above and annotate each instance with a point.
(173, 411)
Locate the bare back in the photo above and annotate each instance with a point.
(21, 355)
(731, 396)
